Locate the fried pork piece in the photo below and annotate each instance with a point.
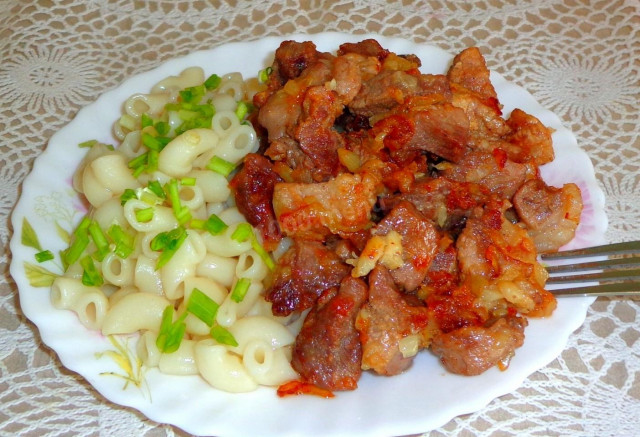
(252, 187)
(390, 329)
(327, 351)
(501, 176)
(391, 88)
(551, 214)
(447, 203)
(470, 71)
(313, 211)
(304, 272)
(367, 47)
(419, 243)
(497, 259)
(471, 350)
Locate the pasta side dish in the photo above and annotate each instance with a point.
(339, 214)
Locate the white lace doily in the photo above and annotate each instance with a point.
(578, 58)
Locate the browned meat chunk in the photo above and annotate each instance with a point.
(497, 259)
(384, 92)
(419, 243)
(447, 203)
(529, 140)
(383, 322)
(253, 189)
(551, 214)
(473, 349)
(470, 71)
(312, 211)
(367, 47)
(314, 133)
(293, 57)
(327, 351)
(304, 272)
(495, 171)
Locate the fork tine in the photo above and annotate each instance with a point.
(606, 276)
(625, 248)
(595, 265)
(614, 289)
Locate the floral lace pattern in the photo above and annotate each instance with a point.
(579, 59)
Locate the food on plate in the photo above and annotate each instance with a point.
(414, 210)
(339, 217)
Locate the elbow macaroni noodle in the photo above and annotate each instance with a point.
(136, 290)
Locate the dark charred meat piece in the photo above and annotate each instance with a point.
(419, 243)
(384, 321)
(327, 351)
(304, 272)
(252, 187)
(293, 57)
(473, 349)
(551, 214)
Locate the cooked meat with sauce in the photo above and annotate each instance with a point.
(328, 352)
(302, 274)
(414, 209)
(473, 349)
(384, 322)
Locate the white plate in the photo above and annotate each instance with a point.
(421, 399)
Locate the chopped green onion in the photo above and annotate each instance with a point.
(150, 141)
(263, 75)
(197, 223)
(77, 248)
(212, 82)
(181, 213)
(145, 215)
(99, 239)
(123, 241)
(215, 225)
(156, 188)
(222, 336)
(138, 162)
(240, 289)
(188, 182)
(83, 227)
(90, 276)
(168, 243)
(184, 215)
(221, 166)
(193, 94)
(152, 161)
(127, 195)
(88, 144)
(43, 256)
(243, 232)
(242, 110)
(171, 333)
(162, 127)
(146, 120)
(202, 306)
(262, 253)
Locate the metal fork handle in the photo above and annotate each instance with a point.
(624, 248)
(631, 288)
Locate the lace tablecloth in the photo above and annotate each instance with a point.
(579, 58)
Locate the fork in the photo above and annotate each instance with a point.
(613, 271)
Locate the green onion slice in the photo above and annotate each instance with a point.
(221, 166)
(243, 232)
(90, 276)
(240, 289)
(202, 306)
(171, 333)
(45, 255)
(222, 336)
(212, 82)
